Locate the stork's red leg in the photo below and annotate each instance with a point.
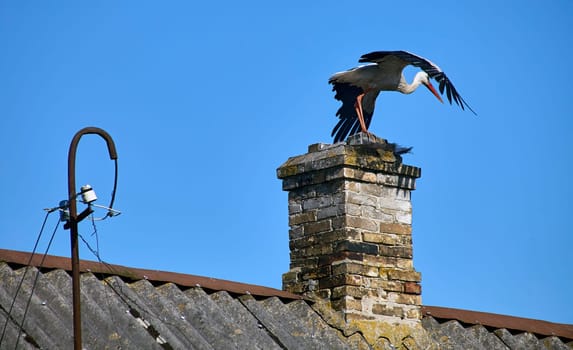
(358, 107)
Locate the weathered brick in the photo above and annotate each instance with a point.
(292, 276)
(366, 176)
(304, 262)
(325, 162)
(382, 238)
(343, 267)
(372, 189)
(338, 256)
(414, 313)
(300, 243)
(336, 236)
(396, 181)
(348, 173)
(322, 294)
(334, 174)
(378, 292)
(311, 251)
(358, 247)
(404, 263)
(319, 226)
(392, 203)
(404, 218)
(361, 199)
(339, 223)
(376, 260)
(333, 210)
(393, 251)
(402, 275)
(352, 267)
(334, 186)
(358, 315)
(295, 288)
(352, 209)
(387, 179)
(359, 222)
(376, 214)
(408, 299)
(399, 194)
(352, 291)
(387, 310)
(338, 198)
(383, 271)
(294, 207)
(372, 237)
(295, 232)
(300, 218)
(316, 273)
(400, 229)
(388, 286)
(405, 240)
(412, 288)
(315, 147)
(341, 280)
(360, 174)
(352, 186)
(347, 303)
(319, 202)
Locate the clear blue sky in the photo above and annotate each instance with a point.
(206, 99)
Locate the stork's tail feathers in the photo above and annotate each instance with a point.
(399, 150)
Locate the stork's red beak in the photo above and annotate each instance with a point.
(431, 88)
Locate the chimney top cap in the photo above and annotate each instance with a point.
(361, 151)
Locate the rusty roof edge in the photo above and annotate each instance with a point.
(186, 280)
(539, 327)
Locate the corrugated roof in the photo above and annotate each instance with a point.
(513, 324)
(132, 308)
(456, 334)
(142, 309)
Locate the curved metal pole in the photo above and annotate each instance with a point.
(73, 223)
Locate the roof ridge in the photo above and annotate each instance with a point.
(182, 279)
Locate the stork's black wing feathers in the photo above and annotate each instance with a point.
(442, 85)
(432, 69)
(348, 123)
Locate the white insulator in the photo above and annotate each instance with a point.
(88, 194)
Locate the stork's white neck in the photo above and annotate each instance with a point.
(406, 88)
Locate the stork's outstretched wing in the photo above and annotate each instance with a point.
(348, 123)
(432, 69)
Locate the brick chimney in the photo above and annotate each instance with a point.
(350, 236)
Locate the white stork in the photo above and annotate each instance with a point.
(359, 87)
